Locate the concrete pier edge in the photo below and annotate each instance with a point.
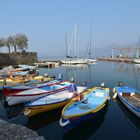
(10, 131)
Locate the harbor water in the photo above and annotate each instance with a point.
(113, 123)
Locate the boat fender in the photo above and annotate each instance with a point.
(115, 93)
(63, 123)
(26, 113)
(114, 90)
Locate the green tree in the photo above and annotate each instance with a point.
(12, 40)
(2, 44)
(8, 44)
(21, 41)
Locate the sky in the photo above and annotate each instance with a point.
(45, 23)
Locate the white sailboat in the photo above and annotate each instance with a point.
(136, 59)
(75, 59)
(91, 60)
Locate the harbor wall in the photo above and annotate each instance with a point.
(18, 58)
(122, 59)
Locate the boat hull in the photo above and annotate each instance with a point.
(75, 121)
(78, 61)
(34, 93)
(132, 109)
(50, 102)
(34, 110)
(131, 102)
(13, 100)
(136, 60)
(17, 99)
(16, 89)
(75, 61)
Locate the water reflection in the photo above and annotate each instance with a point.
(47, 124)
(81, 73)
(132, 70)
(9, 112)
(131, 119)
(136, 71)
(85, 130)
(13, 111)
(44, 119)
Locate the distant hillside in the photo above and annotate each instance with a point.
(107, 50)
(96, 51)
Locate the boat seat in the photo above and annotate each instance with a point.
(84, 107)
(95, 100)
(133, 101)
(137, 96)
(127, 93)
(99, 94)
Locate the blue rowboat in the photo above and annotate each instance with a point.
(78, 111)
(130, 98)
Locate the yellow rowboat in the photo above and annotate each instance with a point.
(43, 78)
(50, 102)
(14, 80)
(24, 79)
(77, 111)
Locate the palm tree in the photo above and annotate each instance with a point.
(2, 44)
(21, 41)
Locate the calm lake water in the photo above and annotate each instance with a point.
(115, 122)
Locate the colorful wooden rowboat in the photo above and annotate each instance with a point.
(129, 97)
(50, 102)
(42, 78)
(9, 90)
(20, 79)
(10, 69)
(14, 80)
(34, 93)
(76, 112)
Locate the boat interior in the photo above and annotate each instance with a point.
(93, 100)
(133, 98)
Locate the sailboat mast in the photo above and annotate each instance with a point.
(75, 40)
(139, 48)
(90, 42)
(66, 44)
